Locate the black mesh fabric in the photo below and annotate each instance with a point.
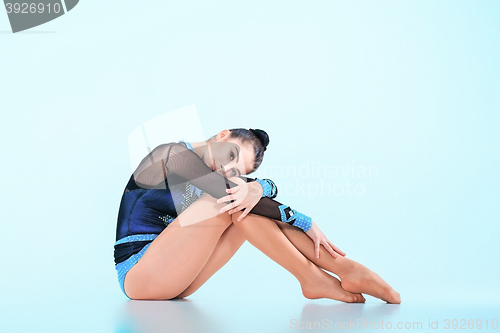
(173, 164)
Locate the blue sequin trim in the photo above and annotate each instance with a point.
(123, 267)
(300, 220)
(136, 238)
(188, 145)
(266, 188)
(269, 188)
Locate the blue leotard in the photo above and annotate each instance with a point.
(181, 177)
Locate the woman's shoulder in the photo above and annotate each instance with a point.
(181, 148)
(178, 146)
(166, 149)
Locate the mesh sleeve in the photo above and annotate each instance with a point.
(183, 165)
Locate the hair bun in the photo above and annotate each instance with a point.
(262, 136)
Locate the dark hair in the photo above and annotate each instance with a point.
(257, 137)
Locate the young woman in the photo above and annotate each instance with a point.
(187, 209)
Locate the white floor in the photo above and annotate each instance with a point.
(321, 315)
(236, 314)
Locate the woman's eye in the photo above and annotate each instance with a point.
(231, 156)
(234, 172)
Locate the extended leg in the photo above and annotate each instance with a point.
(354, 277)
(265, 235)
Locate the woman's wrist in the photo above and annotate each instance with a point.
(303, 222)
(296, 218)
(257, 187)
(268, 187)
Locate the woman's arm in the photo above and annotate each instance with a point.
(183, 165)
(269, 188)
(247, 194)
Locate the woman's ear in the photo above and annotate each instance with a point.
(224, 134)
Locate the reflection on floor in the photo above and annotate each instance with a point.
(319, 315)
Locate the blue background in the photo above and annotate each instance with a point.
(411, 88)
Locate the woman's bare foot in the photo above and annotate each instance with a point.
(362, 280)
(323, 285)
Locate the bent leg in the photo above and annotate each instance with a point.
(230, 241)
(354, 277)
(265, 235)
(176, 257)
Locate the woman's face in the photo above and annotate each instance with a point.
(230, 157)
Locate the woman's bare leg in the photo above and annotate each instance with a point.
(265, 235)
(354, 277)
(227, 246)
(176, 257)
(230, 241)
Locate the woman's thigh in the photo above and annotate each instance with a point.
(230, 241)
(177, 255)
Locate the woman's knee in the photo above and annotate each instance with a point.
(237, 180)
(225, 219)
(207, 211)
(234, 217)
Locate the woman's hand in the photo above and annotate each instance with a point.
(320, 239)
(246, 196)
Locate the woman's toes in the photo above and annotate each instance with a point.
(359, 298)
(350, 298)
(390, 295)
(393, 297)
